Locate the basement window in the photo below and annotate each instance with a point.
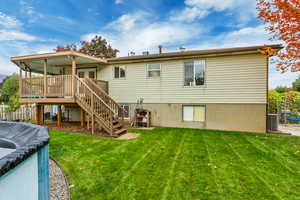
(153, 70)
(119, 72)
(193, 113)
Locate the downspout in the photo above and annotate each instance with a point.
(267, 93)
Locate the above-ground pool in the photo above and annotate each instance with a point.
(24, 168)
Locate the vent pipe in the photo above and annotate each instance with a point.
(182, 48)
(160, 49)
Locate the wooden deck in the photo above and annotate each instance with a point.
(65, 100)
(57, 89)
(89, 94)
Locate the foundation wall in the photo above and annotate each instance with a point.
(236, 117)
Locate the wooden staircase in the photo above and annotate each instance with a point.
(104, 112)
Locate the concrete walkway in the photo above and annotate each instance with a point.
(294, 129)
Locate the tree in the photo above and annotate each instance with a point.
(283, 19)
(69, 47)
(296, 84)
(1, 83)
(98, 47)
(10, 87)
(290, 100)
(13, 103)
(10, 92)
(281, 89)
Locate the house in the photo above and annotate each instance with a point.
(222, 89)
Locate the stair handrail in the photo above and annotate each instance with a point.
(105, 94)
(94, 93)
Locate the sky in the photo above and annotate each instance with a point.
(38, 26)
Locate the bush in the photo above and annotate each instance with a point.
(288, 100)
(281, 89)
(296, 85)
(10, 87)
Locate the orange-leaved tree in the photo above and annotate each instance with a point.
(283, 21)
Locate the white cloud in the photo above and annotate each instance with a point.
(15, 35)
(30, 11)
(128, 21)
(198, 9)
(118, 1)
(189, 14)
(136, 32)
(10, 29)
(18, 48)
(276, 78)
(15, 42)
(218, 5)
(248, 36)
(7, 67)
(9, 21)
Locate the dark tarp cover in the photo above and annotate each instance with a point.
(26, 138)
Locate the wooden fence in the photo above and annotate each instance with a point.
(24, 113)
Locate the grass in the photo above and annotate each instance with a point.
(170, 163)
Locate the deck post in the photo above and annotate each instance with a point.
(81, 117)
(30, 82)
(20, 82)
(59, 115)
(93, 115)
(73, 74)
(45, 77)
(42, 114)
(38, 114)
(88, 122)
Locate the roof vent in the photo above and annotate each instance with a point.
(160, 47)
(182, 48)
(145, 53)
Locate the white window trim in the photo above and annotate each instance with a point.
(113, 72)
(153, 70)
(195, 86)
(182, 109)
(92, 69)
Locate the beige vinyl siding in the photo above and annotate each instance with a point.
(229, 79)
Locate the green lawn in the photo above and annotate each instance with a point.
(169, 163)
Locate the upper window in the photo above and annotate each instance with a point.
(119, 72)
(153, 70)
(194, 73)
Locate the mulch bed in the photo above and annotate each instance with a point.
(74, 127)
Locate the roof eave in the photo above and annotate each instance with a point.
(56, 54)
(256, 49)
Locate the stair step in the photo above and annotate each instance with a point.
(115, 122)
(118, 132)
(118, 125)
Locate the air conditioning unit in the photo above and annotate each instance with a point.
(273, 122)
